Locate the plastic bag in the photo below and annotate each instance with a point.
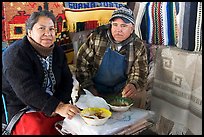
(89, 100)
(75, 89)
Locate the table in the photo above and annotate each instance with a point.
(129, 122)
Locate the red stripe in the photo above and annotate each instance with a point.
(159, 24)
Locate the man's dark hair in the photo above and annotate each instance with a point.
(33, 19)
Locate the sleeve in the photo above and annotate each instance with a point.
(139, 69)
(64, 89)
(84, 63)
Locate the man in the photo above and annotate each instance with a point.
(113, 60)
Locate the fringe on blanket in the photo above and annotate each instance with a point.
(178, 129)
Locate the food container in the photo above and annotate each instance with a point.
(120, 103)
(95, 116)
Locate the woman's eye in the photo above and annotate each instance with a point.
(41, 28)
(52, 29)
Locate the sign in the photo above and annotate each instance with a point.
(82, 16)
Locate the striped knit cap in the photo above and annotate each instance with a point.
(125, 14)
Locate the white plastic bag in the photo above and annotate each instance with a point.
(75, 89)
(89, 100)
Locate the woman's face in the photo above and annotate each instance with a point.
(121, 30)
(43, 32)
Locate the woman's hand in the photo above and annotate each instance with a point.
(129, 91)
(67, 110)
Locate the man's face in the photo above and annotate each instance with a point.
(121, 30)
(43, 32)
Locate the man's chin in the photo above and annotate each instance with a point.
(118, 40)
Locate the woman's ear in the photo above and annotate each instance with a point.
(29, 33)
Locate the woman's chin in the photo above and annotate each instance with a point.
(47, 45)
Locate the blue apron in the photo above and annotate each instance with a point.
(110, 77)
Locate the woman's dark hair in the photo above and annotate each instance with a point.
(35, 16)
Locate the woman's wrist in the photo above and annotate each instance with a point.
(59, 106)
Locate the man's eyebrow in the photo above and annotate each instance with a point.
(118, 23)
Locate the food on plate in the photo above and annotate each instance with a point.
(119, 103)
(95, 116)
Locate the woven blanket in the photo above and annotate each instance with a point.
(177, 91)
(190, 24)
(157, 23)
(170, 23)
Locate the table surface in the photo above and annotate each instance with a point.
(130, 122)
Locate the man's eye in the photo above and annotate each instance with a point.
(115, 24)
(123, 25)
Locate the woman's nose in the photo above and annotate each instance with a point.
(47, 32)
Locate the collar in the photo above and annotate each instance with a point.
(43, 51)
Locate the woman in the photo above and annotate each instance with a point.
(36, 74)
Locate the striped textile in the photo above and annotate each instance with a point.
(198, 33)
(170, 23)
(159, 24)
(190, 24)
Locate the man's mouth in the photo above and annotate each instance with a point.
(118, 35)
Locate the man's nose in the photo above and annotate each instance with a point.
(119, 28)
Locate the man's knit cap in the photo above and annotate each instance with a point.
(125, 13)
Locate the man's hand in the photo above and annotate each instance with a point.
(129, 91)
(93, 91)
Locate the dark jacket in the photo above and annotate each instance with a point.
(23, 75)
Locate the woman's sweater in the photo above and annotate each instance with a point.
(23, 75)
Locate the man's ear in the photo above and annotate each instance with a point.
(133, 28)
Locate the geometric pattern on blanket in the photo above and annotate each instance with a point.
(177, 91)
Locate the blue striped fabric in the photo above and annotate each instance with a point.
(159, 24)
(190, 26)
(171, 23)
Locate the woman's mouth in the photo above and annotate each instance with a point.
(47, 39)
